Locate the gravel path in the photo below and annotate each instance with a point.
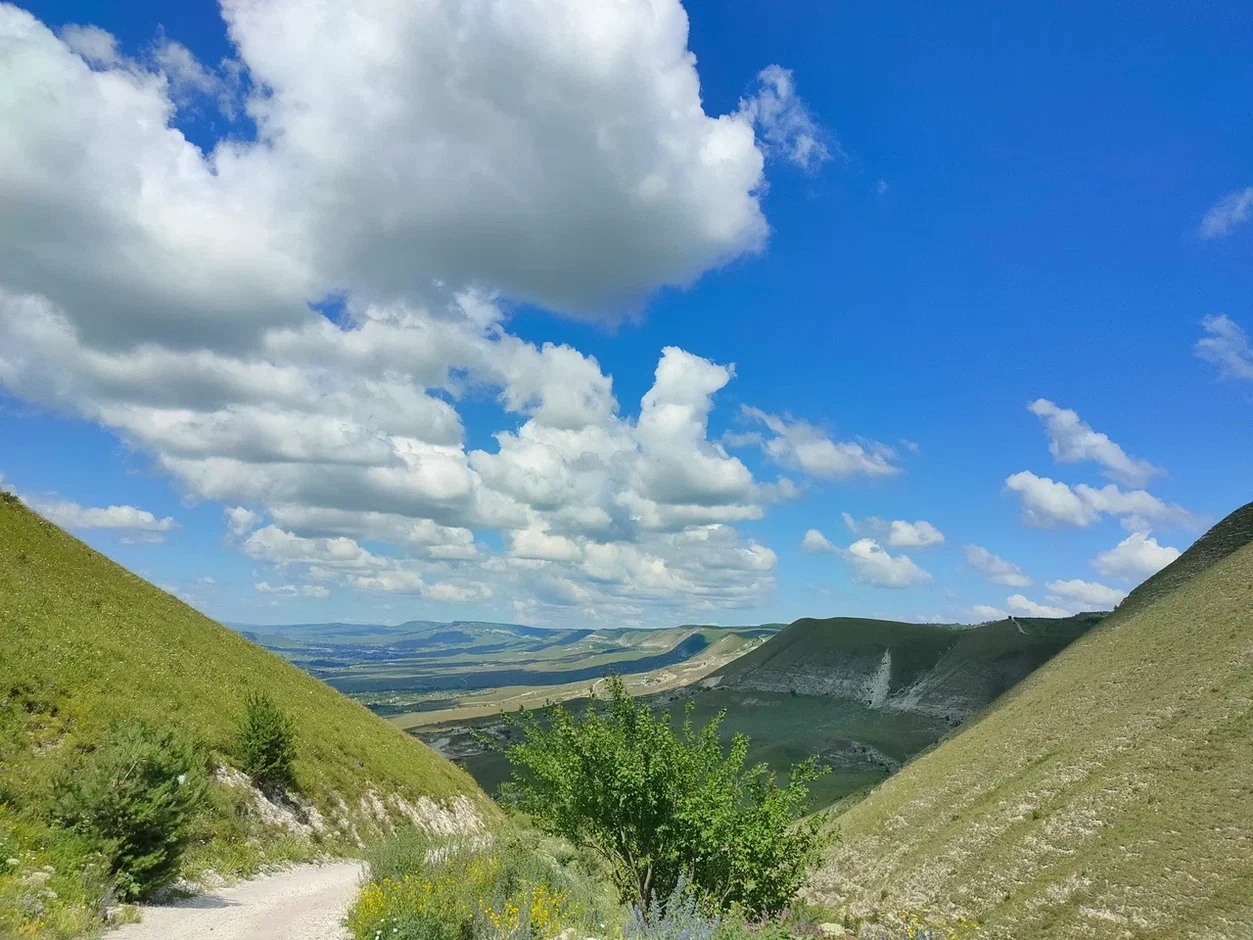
(303, 903)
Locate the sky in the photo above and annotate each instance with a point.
(596, 312)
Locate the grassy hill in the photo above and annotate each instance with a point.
(84, 642)
(1107, 795)
(944, 671)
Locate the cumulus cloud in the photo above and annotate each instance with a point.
(874, 566)
(441, 164)
(996, 569)
(815, 541)
(987, 612)
(1084, 595)
(240, 521)
(137, 524)
(1021, 604)
(801, 446)
(94, 45)
(920, 534)
(1227, 346)
(1228, 214)
(1071, 440)
(1047, 503)
(899, 533)
(1135, 558)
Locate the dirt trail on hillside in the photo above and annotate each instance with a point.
(304, 903)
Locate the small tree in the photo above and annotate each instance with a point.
(661, 805)
(266, 745)
(136, 795)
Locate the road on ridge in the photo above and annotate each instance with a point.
(303, 903)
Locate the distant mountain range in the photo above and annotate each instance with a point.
(394, 668)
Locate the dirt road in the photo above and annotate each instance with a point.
(303, 903)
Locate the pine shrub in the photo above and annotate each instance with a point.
(266, 745)
(135, 795)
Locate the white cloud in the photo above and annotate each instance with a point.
(1047, 503)
(996, 569)
(920, 534)
(1227, 346)
(440, 165)
(800, 445)
(96, 46)
(1134, 558)
(1084, 595)
(138, 524)
(783, 121)
(240, 521)
(1071, 441)
(899, 533)
(1228, 214)
(494, 147)
(874, 566)
(1023, 605)
(815, 541)
(488, 152)
(987, 612)
(868, 526)
(293, 590)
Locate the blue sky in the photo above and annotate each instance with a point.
(273, 294)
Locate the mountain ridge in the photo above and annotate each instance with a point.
(1107, 795)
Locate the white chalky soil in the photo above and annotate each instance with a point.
(303, 903)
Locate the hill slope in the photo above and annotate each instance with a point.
(928, 669)
(84, 642)
(1108, 795)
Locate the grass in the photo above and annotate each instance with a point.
(518, 885)
(1108, 795)
(86, 642)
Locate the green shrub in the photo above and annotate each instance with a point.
(507, 888)
(678, 917)
(135, 796)
(266, 744)
(661, 805)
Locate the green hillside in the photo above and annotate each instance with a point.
(943, 671)
(1108, 795)
(84, 642)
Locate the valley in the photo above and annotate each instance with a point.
(865, 696)
(421, 672)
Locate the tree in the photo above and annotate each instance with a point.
(266, 746)
(659, 804)
(135, 794)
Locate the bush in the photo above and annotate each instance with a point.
(661, 805)
(135, 795)
(679, 917)
(422, 888)
(266, 744)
